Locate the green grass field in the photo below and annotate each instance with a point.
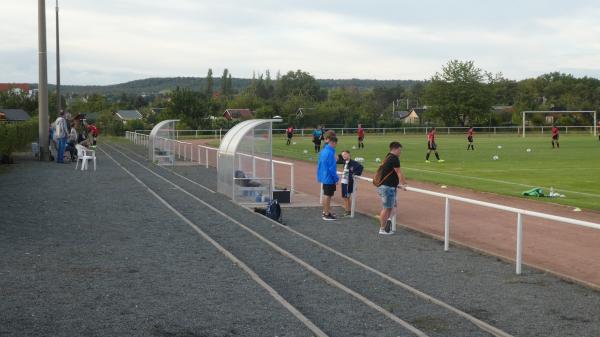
(574, 170)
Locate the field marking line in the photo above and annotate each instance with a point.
(497, 181)
(229, 255)
(481, 324)
(166, 169)
(294, 258)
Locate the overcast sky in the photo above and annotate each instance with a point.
(110, 41)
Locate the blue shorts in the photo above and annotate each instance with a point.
(388, 196)
(347, 189)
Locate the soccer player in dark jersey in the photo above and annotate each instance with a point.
(361, 137)
(470, 145)
(432, 146)
(555, 136)
(290, 133)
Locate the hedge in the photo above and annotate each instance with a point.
(15, 136)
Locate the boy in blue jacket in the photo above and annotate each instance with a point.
(351, 168)
(327, 175)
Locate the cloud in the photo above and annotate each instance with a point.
(114, 41)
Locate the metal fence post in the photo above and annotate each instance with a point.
(353, 202)
(519, 259)
(447, 226)
(292, 186)
(272, 175)
(199, 163)
(206, 156)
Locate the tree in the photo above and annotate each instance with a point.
(226, 83)
(191, 107)
(209, 84)
(461, 94)
(298, 83)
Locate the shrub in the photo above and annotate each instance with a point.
(15, 136)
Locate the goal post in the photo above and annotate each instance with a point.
(594, 113)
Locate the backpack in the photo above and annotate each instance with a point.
(274, 210)
(378, 179)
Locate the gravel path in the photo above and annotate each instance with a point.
(534, 304)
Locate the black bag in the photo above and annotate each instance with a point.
(274, 210)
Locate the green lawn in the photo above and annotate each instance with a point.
(574, 170)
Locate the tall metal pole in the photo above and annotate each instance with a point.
(42, 82)
(58, 100)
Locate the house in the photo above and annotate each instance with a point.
(14, 115)
(409, 117)
(14, 87)
(231, 114)
(128, 115)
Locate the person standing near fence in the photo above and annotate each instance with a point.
(387, 179)
(361, 137)
(61, 133)
(470, 139)
(317, 134)
(555, 136)
(290, 134)
(327, 176)
(351, 168)
(432, 146)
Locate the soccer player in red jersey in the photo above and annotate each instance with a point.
(432, 146)
(555, 135)
(361, 137)
(470, 139)
(290, 133)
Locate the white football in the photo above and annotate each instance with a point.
(294, 143)
(499, 146)
(305, 151)
(495, 157)
(378, 160)
(528, 150)
(354, 147)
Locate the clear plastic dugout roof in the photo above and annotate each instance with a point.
(245, 165)
(161, 145)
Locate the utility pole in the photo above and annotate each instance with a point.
(58, 99)
(42, 82)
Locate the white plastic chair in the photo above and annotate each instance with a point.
(83, 155)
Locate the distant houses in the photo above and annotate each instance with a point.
(14, 115)
(412, 117)
(15, 87)
(234, 114)
(128, 115)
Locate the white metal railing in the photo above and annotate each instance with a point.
(447, 197)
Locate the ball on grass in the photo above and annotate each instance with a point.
(499, 146)
(495, 157)
(378, 160)
(528, 150)
(294, 143)
(305, 151)
(353, 147)
(359, 159)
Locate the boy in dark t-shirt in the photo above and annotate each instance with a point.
(392, 177)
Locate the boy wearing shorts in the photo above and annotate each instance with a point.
(351, 168)
(392, 177)
(432, 146)
(555, 135)
(327, 176)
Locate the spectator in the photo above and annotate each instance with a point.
(351, 168)
(327, 175)
(391, 177)
(317, 134)
(60, 136)
(73, 137)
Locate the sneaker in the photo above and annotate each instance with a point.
(329, 217)
(441, 161)
(383, 232)
(427, 161)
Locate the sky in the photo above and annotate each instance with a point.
(110, 41)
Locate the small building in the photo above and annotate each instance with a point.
(408, 117)
(14, 115)
(128, 115)
(231, 114)
(15, 87)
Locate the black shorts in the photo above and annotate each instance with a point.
(555, 137)
(431, 146)
(329, 190)
(360, 139)
(470, 139)
(290, 135)
(347, 190)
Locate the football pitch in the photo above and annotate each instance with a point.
(573, 170)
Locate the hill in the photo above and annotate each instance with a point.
(158, 84)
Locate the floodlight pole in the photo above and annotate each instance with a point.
(524, 113)
(42, 83)
(58, 99)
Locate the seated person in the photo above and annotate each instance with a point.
(243, 181)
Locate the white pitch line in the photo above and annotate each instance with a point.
(229, 255)
(498, 181)
(481, 324)
(294, 258)
(175, 173)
